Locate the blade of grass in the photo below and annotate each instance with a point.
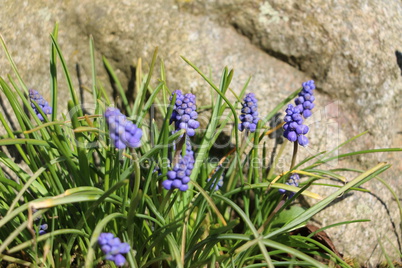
(371, 151)
(257, 237)
(31, 180)
(210, 202)
(277, 108)
(212, 125)
(43, 237)
(142, 93)
(67, 75)
(292, 251)
(149, 103)
(79, 147)
(53, 73)
(12, 136)
(13, 66)
(265, 185)
(23, 141)
(118, 84)
(327, 250)
(323, 203)
(11, 259)
(336, 224)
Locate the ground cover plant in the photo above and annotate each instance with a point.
(139, 184)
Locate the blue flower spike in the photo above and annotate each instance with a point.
(122, 132)
(34, 96)
(294, 130)
(306, 98)
(43, 228)
(218, 185)
(113, 248)
(179, 177)
(292, 181)
(184, 112)
(249, 115)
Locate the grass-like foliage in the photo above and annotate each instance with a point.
(76, 180)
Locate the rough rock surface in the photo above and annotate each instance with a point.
(349, 49)
(346, 46)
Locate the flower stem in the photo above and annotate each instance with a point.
(283, 200)
(295, 147)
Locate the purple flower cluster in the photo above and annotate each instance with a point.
(294, 130)
(184, 116)
(306, 98)
(113, 248)
(34, 96)
(249, 115)
(184, 112)
(42, 229)
(122, 131)
(292, 181)
(179, 177)
(218, 185)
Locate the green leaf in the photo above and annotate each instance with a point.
(323, 203)
(288, 215)
(67, 75)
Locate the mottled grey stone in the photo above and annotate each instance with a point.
(348, 47)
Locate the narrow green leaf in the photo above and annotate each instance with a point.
(118, 84)
(53, 74)
(323, 203)
(13, 66)
(68, 77)
(23, 141)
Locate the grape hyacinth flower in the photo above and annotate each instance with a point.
(306, 98)
(292, 181)
(37, 220)
(113, 248)
(249, 115)
(218, 185)
(42, 229)
(123, 132)
(294, 130)
(184, 112)
(179, 177)
(34, 96)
